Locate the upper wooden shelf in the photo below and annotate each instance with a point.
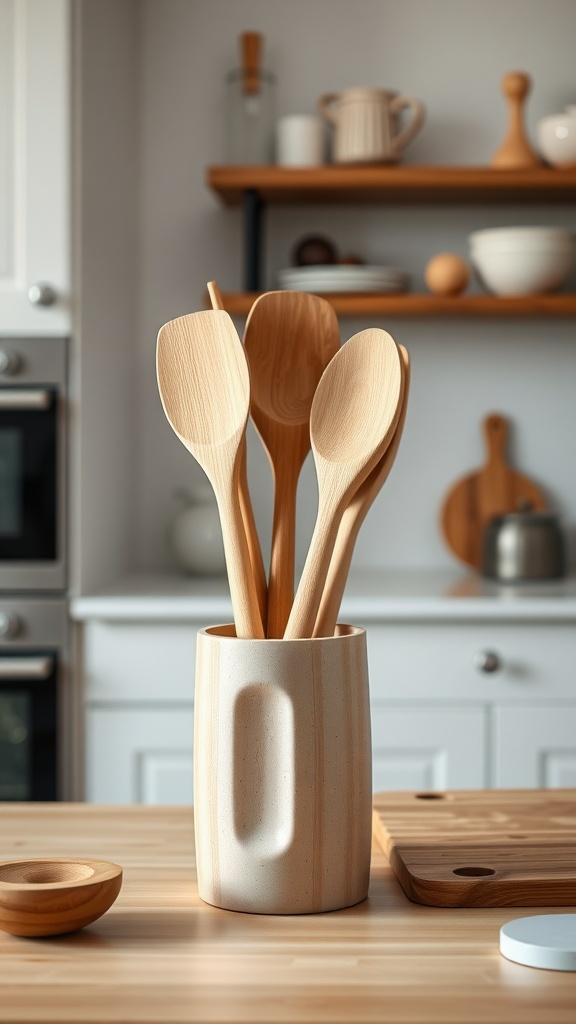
(370, 184)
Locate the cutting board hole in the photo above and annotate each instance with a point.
(430, 796)
(473, 872)
(515, 835)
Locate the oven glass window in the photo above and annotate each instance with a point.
(15, 750)
(10, 482)
(28, 479)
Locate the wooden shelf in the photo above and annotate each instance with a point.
(374, 305)
(381, 183)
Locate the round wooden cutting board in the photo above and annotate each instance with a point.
(493, 490)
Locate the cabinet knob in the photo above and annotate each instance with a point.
(42, 294)
(9, 362)
(487, 661)
(9, 625)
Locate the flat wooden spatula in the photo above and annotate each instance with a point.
(495, 489)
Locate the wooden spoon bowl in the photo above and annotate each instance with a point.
(54, 896)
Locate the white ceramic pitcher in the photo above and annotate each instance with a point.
(366, 124)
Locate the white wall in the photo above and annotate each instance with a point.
(450, 53)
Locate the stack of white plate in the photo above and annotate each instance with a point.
(343, 277)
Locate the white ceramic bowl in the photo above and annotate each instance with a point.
(523, 238)
(556, 136)
(530, 272)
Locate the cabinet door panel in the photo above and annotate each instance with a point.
(139, 756)
(35, 195)
(535, 746)
(428, 748)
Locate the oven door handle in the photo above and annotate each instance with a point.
(26, 668)
(16, 398)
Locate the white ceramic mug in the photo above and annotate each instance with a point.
(365, 123)
(300, 141)
(282, 772)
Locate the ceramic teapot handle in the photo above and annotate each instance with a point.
(409, 131)
(324, 104)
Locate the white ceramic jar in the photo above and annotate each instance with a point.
(195, 535)
(557, 138)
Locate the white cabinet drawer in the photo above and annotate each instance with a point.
(436, 661)
(139, 661)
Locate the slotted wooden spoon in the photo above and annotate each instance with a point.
(205, 391)
(254, 548)
(354, 414)
(290, 337)
(353, 517)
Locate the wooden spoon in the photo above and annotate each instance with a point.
(353, 517)
(254, 548)
(290, 337)
(205, 391)
(352, 421)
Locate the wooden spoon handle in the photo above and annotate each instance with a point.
(247, 616)
(305, 608)
(281, 580)
(255, 551)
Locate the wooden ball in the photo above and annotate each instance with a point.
(447, 274)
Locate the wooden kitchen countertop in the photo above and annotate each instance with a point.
(161, 955)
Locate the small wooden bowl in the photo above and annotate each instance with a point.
(53, 896)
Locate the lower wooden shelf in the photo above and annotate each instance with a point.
(411, 304)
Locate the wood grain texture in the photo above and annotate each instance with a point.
(254, 549)
(162, 956)
(354, 415)
(353, 517)
(414, 305)
(52, 897)
(495, 489)
(289, 338)
(427, 184)
(205, 391)
(509, 848)
(282, 772)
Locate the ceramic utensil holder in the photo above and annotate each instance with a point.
(282, 772)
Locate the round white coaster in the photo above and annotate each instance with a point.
(547, 941)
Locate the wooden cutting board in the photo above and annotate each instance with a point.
(485, 848)
(493, 490)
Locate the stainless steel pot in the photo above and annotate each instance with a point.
(524, 546)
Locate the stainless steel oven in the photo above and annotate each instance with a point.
(34, 699)
(32, 464)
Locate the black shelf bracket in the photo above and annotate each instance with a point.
(253, 230)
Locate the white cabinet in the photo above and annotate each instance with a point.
(439, 721)
(35, 200)
(535, 746)
(138, 755)
(428, 748)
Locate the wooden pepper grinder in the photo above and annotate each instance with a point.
(515, 150)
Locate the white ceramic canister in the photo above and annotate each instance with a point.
(195, 535)
(300, 141)
(365, 123)
(557, 138)
(282, 772)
